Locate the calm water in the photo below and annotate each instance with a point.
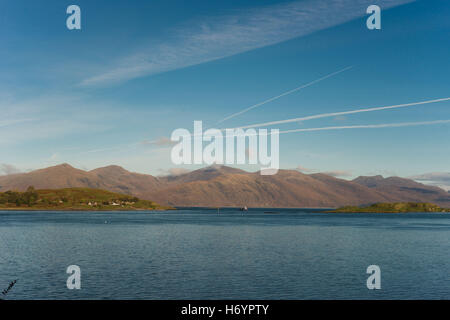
(198, 254)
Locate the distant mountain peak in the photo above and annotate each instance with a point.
(222, 168)
(63, 165)
(111, 169)
(369, 181)
(213, 167)
(59, 167)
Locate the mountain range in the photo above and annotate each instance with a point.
(219, 186)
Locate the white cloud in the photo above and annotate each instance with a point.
(334, 173)
(305, 170)
(8, 169)
(55, 157)
(438, 179)
(338, 173)
(174, 171)
(161, 142)
(223, 36)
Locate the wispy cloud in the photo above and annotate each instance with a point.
(103, 150)
(161, 142)
(223, 36)
(338, 173)
(173, 172)
(52, 116)
(11, 122)
(8, 169)
(305, 170)
(438, 179)
(333, 173)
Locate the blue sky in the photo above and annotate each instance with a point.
(140, 69)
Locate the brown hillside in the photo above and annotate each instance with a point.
(225, 186)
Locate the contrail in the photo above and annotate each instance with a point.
(332, 114)
(324, 115)
(364, 126)
(369, 126)
(283, 94)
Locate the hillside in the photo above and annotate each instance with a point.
(73, 199)
(112, 178)
(285, 189)
(219, 186)
(405, 190)
(225, 186)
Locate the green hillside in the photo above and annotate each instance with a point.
(73, 199)
(398, 207)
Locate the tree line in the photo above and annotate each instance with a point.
(28, 197)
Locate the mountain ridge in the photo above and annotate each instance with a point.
(225, 186)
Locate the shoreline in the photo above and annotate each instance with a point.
(234, 207)
(87, 210)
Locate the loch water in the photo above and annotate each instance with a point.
(195, 253)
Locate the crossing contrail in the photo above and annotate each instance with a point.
(324, 115)
(284, 94)
(362, 126)
(333, 114)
